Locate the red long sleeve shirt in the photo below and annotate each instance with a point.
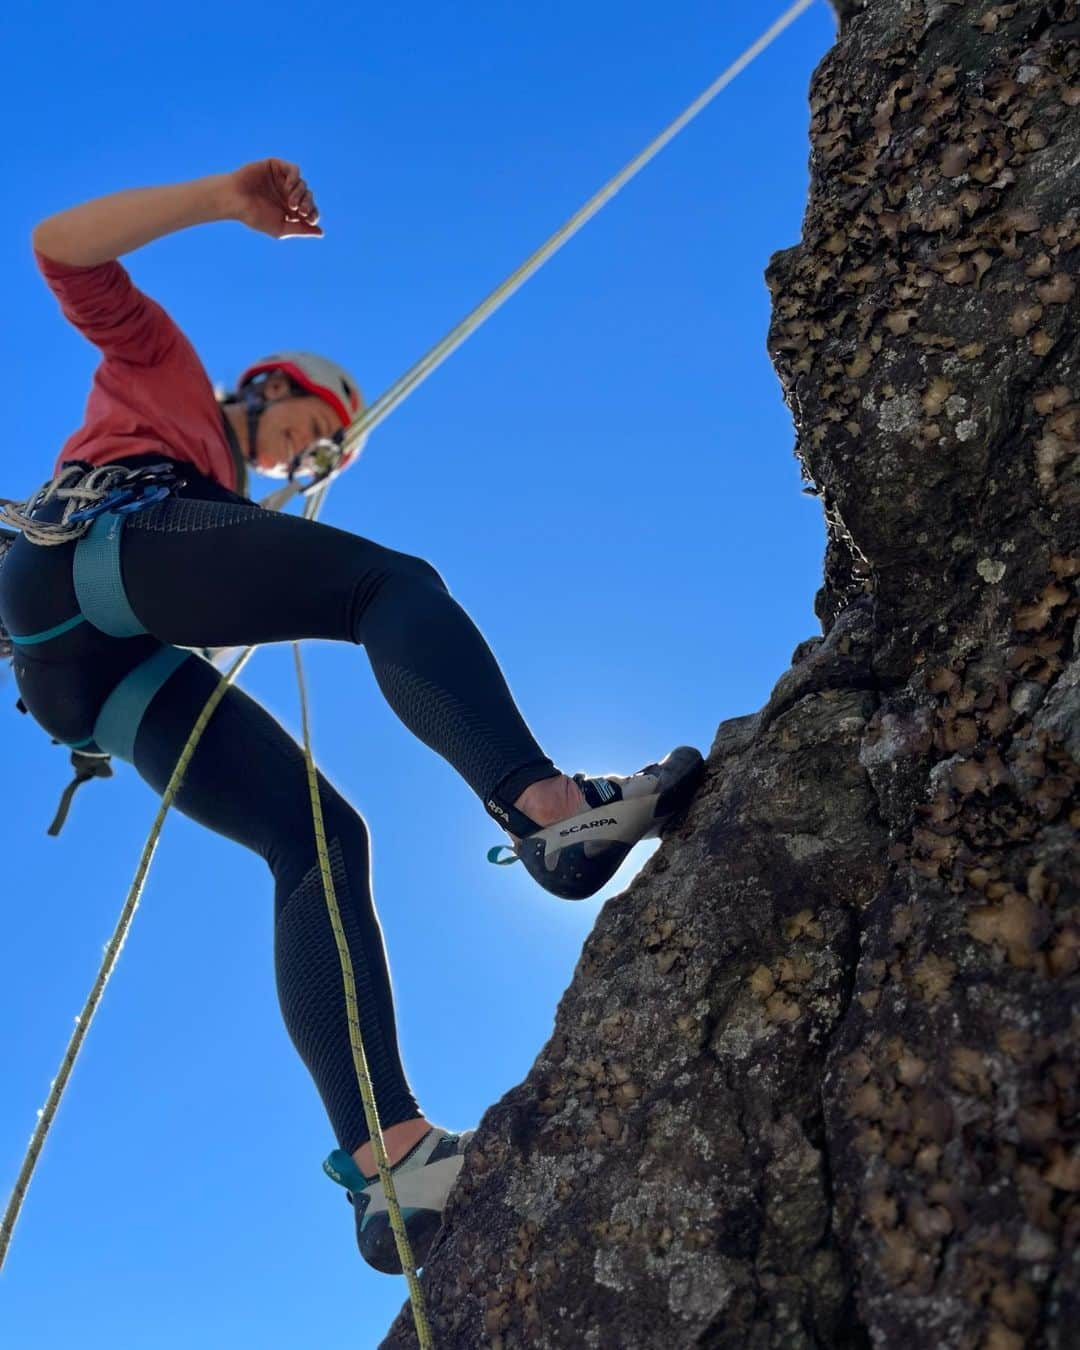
(150, 392)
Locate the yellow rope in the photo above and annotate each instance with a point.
(357, 433)
(371, 1112)
(115, 945)
(113, 948)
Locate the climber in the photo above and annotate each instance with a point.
(144, 543)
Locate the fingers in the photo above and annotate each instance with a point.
(302, 204)
(278, 201)
(294, 194)
(301, 230)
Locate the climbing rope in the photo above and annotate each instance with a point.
(356, 1040)
(85, 495)
(314, 498)
(400, 390)
(113, 948)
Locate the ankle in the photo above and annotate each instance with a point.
(399, 1140)
(551, 800)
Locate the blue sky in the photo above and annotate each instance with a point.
(603, 475)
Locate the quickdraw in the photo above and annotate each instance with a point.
(314, 493)
(120, 491)
(87, 492)
(143, 488)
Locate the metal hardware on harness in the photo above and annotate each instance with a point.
(119, 491)
(7, 538)
(88, 492)
(144, 488)
(321, 459)
(86, 766)
(353, 439)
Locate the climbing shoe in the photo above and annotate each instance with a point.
(575, 857)
(423, 1180)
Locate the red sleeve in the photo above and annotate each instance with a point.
(110, 311)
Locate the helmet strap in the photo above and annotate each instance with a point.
(256, 406)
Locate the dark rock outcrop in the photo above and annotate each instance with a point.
(815, 1081)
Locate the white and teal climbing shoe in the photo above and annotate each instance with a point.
(575, 857)
(423, 1180)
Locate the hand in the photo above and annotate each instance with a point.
(273, 199)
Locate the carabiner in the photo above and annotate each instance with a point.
(110, 502)
(156, 493)
(143, 488)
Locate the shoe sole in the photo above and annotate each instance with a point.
(564, 868)
(379, 1249)
(415, 1191)
(688, 771)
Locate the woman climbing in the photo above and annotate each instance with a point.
(144, 543)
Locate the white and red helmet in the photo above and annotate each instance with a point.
(321, 378)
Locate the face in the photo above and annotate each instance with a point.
(290, 423)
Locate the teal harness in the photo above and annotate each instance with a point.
(103, 603)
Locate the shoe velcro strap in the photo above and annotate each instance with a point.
(510, 818)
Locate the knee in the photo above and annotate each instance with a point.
(420, 569)
(397, 582)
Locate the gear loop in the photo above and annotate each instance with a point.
(88, 492)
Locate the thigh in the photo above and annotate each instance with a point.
(247, 779)
(63, 679)
(220, 574)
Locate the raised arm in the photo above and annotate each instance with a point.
(268, 195)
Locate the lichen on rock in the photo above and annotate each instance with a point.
(815, 1081)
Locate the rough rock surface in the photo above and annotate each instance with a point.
(815, 1081)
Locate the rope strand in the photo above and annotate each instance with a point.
(415, 376)
(113, 948)
(74, 486)
(18, 514)
(356, 1039)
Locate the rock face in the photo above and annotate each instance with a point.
(815, 1081)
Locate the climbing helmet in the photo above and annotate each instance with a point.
(318, 376)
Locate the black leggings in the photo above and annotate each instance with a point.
(207, 569)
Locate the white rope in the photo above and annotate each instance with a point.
(400, 390)
(18, 514)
